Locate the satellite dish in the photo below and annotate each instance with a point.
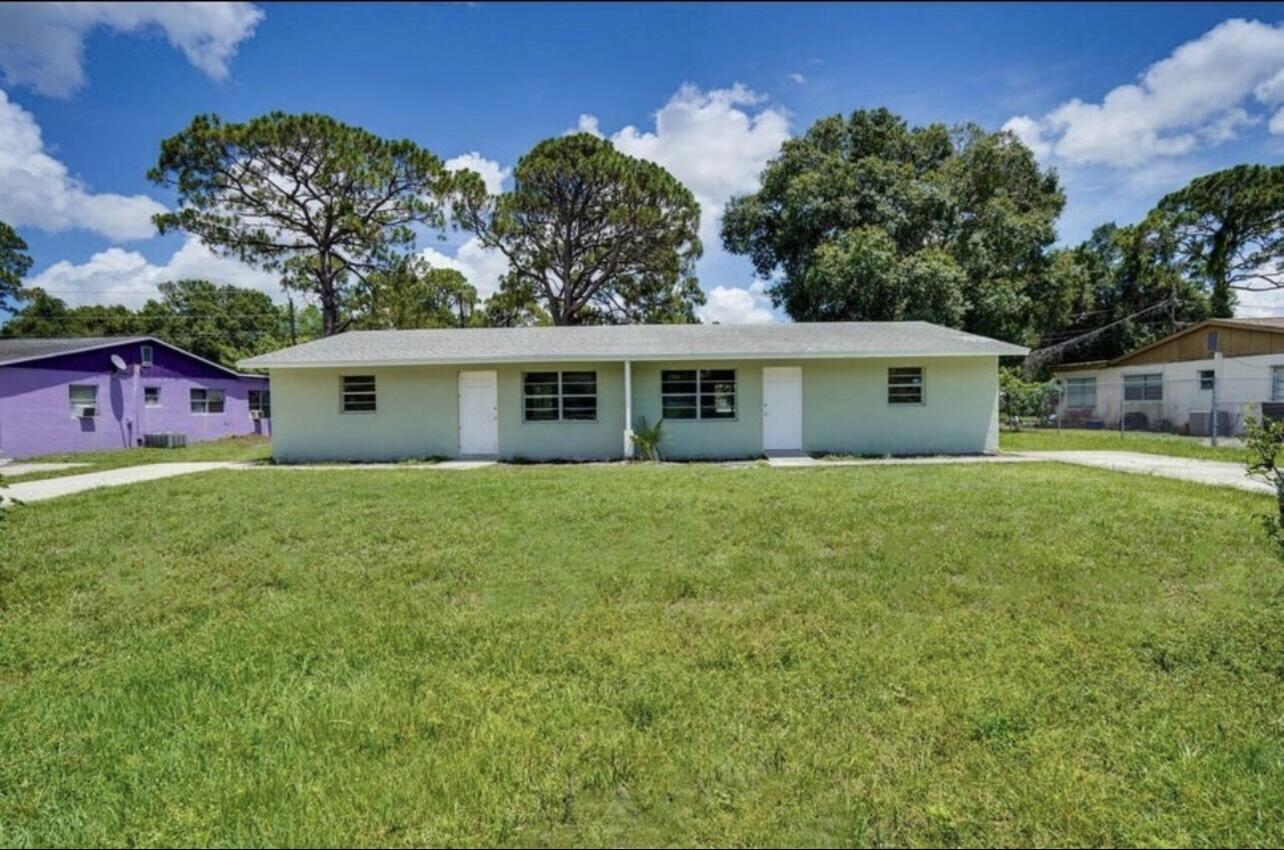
(118, 363)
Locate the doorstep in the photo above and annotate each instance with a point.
(791, 459)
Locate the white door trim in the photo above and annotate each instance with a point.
(782, 409)
(479, 413)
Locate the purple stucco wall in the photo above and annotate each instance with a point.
(35, 407)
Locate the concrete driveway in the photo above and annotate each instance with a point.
(1215, 472)
(52, 488)
(12, 470)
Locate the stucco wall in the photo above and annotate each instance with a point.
(844, 410)
(36, 418)
(418, 416)
(1245, 382)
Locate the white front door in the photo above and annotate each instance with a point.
(782, 408)
(478, 413)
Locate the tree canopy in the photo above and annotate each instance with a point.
(1117, 290)
(220, 323)
(14, 263)
(867, 218)
(322, 202)
(594, 235)
(36, 313)
(412, 294)
(1229, 228)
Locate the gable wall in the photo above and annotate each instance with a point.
(35, 410)
(1232, 342)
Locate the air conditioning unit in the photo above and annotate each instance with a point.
(164, 441)
(86, 411)
(256, 414)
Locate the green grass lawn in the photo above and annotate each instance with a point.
(624, 655)
(1084, 440)
(228, 448)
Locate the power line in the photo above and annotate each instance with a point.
(1041, 356)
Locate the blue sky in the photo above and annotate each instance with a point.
(709, 91)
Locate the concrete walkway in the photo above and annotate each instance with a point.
(1215, 472)
(52, 488)
(445, 465)
(803, 461)
(16, 468)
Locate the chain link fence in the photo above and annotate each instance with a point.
(1203, 404)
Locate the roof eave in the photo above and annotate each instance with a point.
(265, 362)
(126, 340)
(96, 347)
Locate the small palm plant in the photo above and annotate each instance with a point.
(646, 439)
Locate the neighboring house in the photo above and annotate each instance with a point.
(1168, 385)
(72, 395)
(723, 391)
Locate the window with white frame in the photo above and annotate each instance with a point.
(151, 396)
(905, 385)
(559, 396)
(207, 401)
(1277, 383)
(698, 394)
(357, 394)
(145, 354)
(1147, 387)
(83, 399)
(261, 403)
(1206, 378)
(1081, 392)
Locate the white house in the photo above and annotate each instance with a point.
(1170, 384)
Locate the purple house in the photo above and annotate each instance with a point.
(97, 393)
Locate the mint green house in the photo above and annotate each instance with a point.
(553, 393)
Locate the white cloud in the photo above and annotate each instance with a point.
(1197, 97)
(730, 305)
(42, 45)
(1028, 130)
(36, 190)
(1271, 91)
(1277, 123)
(1268, 302)
(117, 276)
(482, 266)
(587, 124)
(716, 142)
(489, 170)
(798, 78)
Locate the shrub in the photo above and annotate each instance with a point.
(646, 439)
(1264, 439)
(1020, 398)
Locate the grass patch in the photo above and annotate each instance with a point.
(1079, 439)
(643, 655)
(252, 448)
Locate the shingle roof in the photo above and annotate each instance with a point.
(23, 349)
(19, 349)
(632, 342)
